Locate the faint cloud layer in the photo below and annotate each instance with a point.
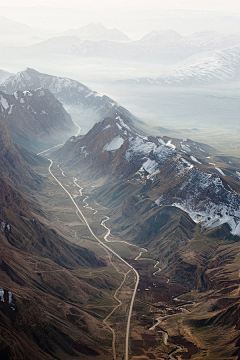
(231, 5)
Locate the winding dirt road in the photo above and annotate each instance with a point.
(115, 254)
(108, 250)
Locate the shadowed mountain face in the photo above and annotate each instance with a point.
(34, 117)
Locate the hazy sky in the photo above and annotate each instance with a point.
(219, 5)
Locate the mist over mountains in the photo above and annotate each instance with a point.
(119, 183)
(96, 31)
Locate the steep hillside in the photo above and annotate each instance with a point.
(14, 168)
(42, 294)
(41, 299)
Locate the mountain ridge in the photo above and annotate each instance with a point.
(77, 98)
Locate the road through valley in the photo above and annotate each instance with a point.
(112, 252)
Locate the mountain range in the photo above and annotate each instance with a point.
(204, 57)
(177, 200)
(84, 105)
(184, 20)
(96, 32)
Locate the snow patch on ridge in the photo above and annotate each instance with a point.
(4, 103)
(138, 146)
(189, 165)
(10, 110)
(150, 166)
(169, 144)
(161, 141)
(27, 93)
(115, 144)
(221, 172)
(119, 126)
(194, 159)
(122, 123)
(107, 127)
(185, 147)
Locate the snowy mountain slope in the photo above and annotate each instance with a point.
(84, 105)
(113, 150)
(206, 67)
(221, 65)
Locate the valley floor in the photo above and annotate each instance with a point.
(164, 324)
